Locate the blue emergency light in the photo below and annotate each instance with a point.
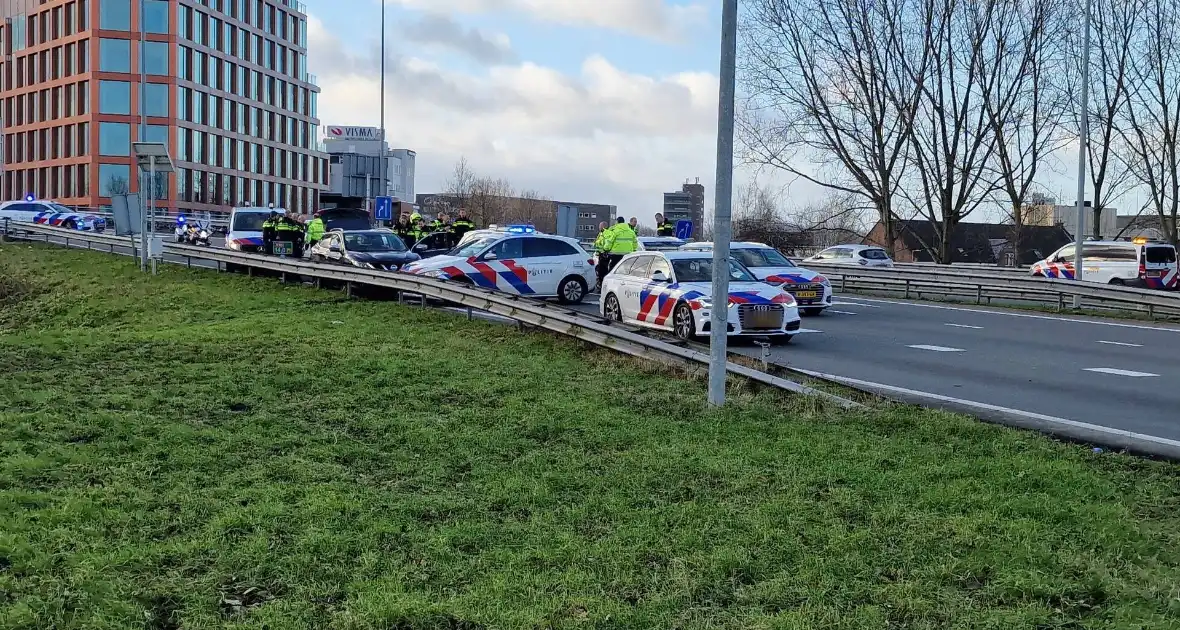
(520, 229)
(30, 198)
(180, 219)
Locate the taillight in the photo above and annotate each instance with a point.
(1142, 269)
(591, 261)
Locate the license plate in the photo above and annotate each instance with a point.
(284, 248)
(806, 294)
(1155, 274)
(764, 320)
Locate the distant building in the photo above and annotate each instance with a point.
(688, 203)
(345, 174)
(540, 212)
(1045, 211)
(988, 243)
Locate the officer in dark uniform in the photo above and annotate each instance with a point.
(270, 228)
(664, 227)
(462, 225)
(402, 227)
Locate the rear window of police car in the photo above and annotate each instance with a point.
(1160, 254)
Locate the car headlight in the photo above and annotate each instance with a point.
(204, 234)
(823, 280)
(437, 273)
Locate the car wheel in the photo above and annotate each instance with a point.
(572, 290)
(69, 224)
(611, 309)
(781, 340)
(1038, 275)
(811, 311)
(1118, 282)
(682, 324)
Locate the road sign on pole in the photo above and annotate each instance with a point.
(684, 229)
(383, 211)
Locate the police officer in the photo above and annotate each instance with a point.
(462, 225)
(417, 231)
(620, 241)
(270, 228)
(664, 227)
(402, 227)
(286, 231)
(601, 253)
(634, 225)
(315, 229)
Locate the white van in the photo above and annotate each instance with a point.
(1137, 263)
(245, 227)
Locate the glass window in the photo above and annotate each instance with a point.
(199, 27)
(184, 16)
(114, 97)
(198, 108)
(640, 267)
(156, 57)
(158, 133)
(114, 55)
(114, 179)
(182, 144)
(114, 138)
(157, 99)
(155, 16)
(761, 257)
(1065, 254)
(182, 105)
(182, 63)
(114, 15)
(543, 247)
(1160, 254)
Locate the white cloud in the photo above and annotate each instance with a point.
(655, 19)
(603, 135)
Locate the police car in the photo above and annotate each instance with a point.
(518, 260)
(245, 227)
(660, 243)
(810, 289)
(33, 210)
(1137, 263)
(673, 291)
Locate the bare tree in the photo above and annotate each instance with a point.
(838, 219)
(533, 208)
(489, 200)
(833, 83)
(1025, 106)
(1112, 37)
(1151, 131)
(459, 185)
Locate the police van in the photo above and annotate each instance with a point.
(1137, 263)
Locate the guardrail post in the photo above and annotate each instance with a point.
(979, 294)
(348, 289)
(1151, 311)
(1060, 302)
(842, 279)
(907, 289)
(469, 315)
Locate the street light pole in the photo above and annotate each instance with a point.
(1083, 149)
(384, 167)
(722, 230)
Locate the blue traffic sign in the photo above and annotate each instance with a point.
(684, 229)
(383, 210)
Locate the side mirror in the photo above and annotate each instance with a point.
(490, 256)
(658, 276)
(420, 247)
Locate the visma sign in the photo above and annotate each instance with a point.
(354, 133)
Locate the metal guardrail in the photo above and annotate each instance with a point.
(536, 313)
(986, 286)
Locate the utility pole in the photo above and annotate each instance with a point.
(384, 166)
(722, 229)
(1083, 149)
(148, 209)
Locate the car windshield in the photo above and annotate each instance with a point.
(373, 242)
(762, 257)
(874, 254)
(474, 247)
(249, 221)
(57, 207)
(701, 270)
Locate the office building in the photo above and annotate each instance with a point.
(340, 141)
(688, 203)
(1045, 211)
(224, 86)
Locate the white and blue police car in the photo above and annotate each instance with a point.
(810, 289)
(45, 212)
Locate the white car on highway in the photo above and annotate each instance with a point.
(517, 260)
(811, 290)
(41, 211)
(673, 291)
(862, 255)
(1137, 263)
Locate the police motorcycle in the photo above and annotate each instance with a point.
(181, 230)
(198, 235)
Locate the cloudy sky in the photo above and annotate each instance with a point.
(606, 101)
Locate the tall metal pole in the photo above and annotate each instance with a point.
(152, 206)
(722, 230)
(1083, 149)
(384, 166)
(149, 209)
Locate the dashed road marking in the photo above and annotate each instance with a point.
(965, 326)
(855, 304)
(1072, 320)
(843, 312)
(1118, 372)
(807, 330)
(1119, 343)
(936, 348)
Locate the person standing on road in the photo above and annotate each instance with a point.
(315, 230)
(664, 227)
(620, 241)
(403, 228)
(634, 225)
(601, 253)
(270, 231)
(462, 225)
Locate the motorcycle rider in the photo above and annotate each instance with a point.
(181, 229)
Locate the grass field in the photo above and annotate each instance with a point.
(204, 451)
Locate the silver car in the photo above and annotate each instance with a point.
(862, 255)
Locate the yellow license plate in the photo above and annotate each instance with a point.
(806, 294)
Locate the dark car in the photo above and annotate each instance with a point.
(434, 244)
(370, 249)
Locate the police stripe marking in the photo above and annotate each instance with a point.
(1118, 372)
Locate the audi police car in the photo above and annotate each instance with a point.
(674, 291)
(516, 260)
(811, 290)
(32, 210)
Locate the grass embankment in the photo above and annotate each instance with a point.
(200, 451)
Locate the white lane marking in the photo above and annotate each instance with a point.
(843, 312)
(1118, 372)
(965, 326)
(1028, 316)
(1119, 343)
(990, 407)
(855, 304)
(936, 348)
(807, 330)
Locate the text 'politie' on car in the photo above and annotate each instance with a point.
(811, 290)
(673, 291)
(518, 260)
